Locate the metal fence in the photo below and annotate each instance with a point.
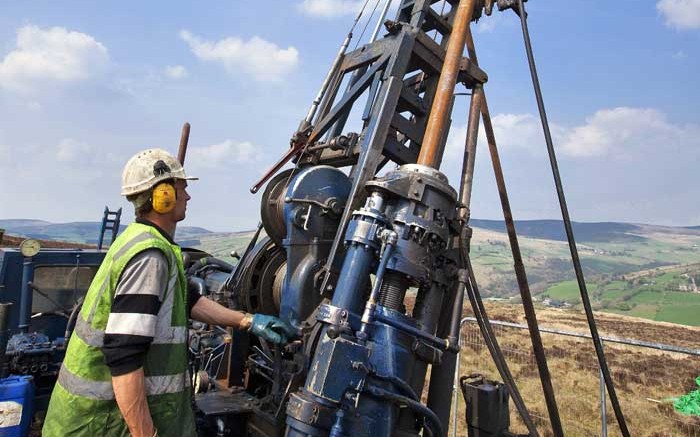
(646, 376)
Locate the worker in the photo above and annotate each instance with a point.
(125, 369)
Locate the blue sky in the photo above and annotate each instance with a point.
(84, 85)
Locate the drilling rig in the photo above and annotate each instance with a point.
(363, 217)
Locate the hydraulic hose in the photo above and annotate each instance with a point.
(70, 325)
(492, 344)
(569, 229)
(402, 385)
(210, 261)
(497, 355)
(380, 393)
(197, 284)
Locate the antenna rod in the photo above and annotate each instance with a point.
(380, 22)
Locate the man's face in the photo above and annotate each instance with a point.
(182, 198)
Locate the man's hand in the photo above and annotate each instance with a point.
(269, 328)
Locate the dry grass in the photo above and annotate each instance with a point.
(14, 242)
(644, 378)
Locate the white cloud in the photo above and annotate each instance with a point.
(679, 55)
(222, 154)
(329, 8)
(617, 132)
(622, 131)
(176, 72)
(263, 60)
(680, 14)
(513, 131)
(53, 55)
(488, 24)
(70, 150)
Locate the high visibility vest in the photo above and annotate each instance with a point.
(82, 403)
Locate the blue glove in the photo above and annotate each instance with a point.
(270, 328)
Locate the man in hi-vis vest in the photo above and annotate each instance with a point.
(125, 370)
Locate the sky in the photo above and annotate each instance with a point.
(85, 85)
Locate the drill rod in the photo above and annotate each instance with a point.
(442, 104)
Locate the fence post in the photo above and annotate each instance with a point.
(603, 405)
(455, 384)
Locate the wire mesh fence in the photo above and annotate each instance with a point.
(646, 376)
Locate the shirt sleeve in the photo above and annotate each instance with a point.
(132, 320)
(192, 298)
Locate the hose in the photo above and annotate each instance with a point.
(569, 229)
(72, 318)
(379, 393)
(209, 261)
(400, 384)
(494, 348)
(197, 284)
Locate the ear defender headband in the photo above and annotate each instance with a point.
(164, 196)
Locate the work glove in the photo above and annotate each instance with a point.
(270, 328)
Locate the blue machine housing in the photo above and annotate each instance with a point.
(314, 202)
(44, 290)
(11, 266)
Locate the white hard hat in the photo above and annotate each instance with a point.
(149, 167)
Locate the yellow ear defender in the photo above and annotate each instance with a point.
(163, 198)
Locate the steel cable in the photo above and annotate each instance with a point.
(567, 225)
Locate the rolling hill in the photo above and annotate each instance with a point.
(634, 269)
(83, 232)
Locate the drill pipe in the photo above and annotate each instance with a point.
(440, 111)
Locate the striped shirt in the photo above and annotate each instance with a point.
(134, 313)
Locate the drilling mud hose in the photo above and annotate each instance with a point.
(432, 422)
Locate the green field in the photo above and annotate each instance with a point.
(656, 297)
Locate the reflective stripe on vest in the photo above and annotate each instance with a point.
(103, 391)
(95, 337)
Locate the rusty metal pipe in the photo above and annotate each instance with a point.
(465, 192)
(520, 274)
(440, 111)
(184, 139)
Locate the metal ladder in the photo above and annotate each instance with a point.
(110, 221)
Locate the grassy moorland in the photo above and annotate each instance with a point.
(645, 379)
